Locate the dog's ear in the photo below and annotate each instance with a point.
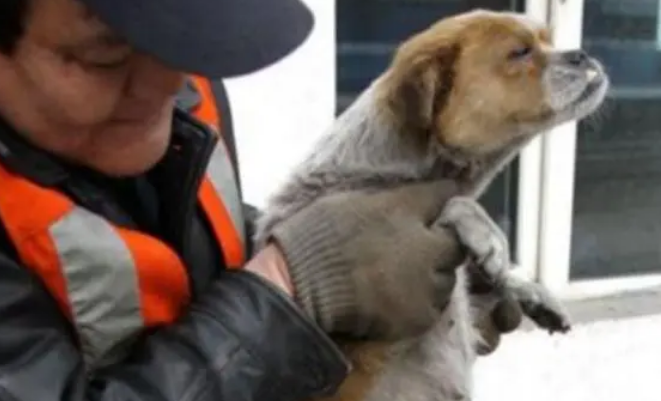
(419, 81)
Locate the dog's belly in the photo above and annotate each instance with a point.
(369, 360)
(434, 367)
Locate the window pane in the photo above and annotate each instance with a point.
(367, 33)
(617, 206)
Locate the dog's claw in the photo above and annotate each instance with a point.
(542, 308)
(548, 319)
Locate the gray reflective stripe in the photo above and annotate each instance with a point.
(101, 280)
(221, 174)
(188, 97)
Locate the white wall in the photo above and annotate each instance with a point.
(280, 110)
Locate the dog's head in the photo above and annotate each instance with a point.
(480, 80)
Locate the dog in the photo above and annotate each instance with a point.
(458, 101)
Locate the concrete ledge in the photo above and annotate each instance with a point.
(624, 305)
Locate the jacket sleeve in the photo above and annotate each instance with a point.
(244, 342)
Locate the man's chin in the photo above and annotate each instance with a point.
(132, 151)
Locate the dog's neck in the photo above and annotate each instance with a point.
(364, 141)
(473, 171)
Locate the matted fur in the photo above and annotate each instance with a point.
(458, 101)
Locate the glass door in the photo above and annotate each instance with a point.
(600, 217)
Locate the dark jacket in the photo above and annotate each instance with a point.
(240, 340)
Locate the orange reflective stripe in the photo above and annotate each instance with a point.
(25, 217)
(219, 191)
(162, 278)
(206, 110)
(111, 282)
(221, 223)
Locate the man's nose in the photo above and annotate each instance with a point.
(149, 77)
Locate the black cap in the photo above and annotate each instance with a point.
(214, 38)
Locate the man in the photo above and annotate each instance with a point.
(125, 266)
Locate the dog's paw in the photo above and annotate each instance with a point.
(541, 307)
(485, 241)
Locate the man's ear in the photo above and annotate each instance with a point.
(418, 83)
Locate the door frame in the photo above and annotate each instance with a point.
(546, 186)
(529, 185)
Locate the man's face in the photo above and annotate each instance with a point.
(75, 89)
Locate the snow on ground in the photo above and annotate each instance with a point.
(616, 360)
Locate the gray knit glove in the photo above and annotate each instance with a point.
(373, 264)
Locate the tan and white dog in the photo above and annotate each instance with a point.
(458, 101)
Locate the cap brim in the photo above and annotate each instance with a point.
(214, 38)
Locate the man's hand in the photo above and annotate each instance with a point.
(373, 263)
(270, 264)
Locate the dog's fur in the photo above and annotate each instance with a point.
(459, 100)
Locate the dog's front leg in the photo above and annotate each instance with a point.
(538, 303)
(485, 241)
(489, 246)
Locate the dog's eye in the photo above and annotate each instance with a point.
(520, 52)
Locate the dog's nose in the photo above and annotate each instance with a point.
(577, 58)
